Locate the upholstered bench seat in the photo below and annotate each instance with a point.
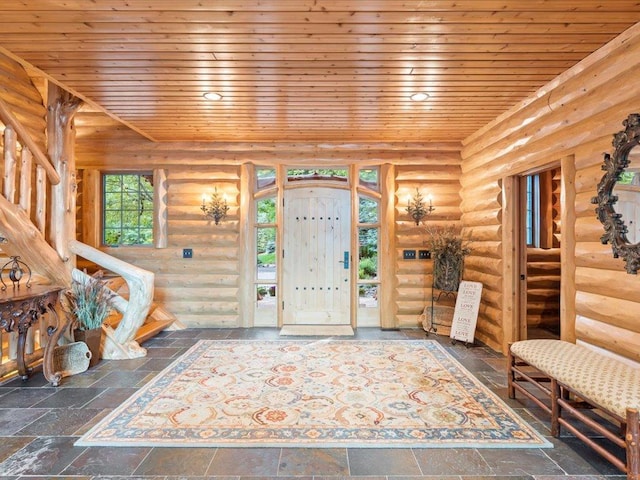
(565, 372)
(608, 383)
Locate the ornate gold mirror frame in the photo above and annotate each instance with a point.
(615, 229)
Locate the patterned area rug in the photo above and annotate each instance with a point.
(328, 393)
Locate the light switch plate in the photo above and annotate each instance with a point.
(409, 254)
(424, 254)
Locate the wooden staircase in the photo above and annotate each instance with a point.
(41, 230)
(158, 319)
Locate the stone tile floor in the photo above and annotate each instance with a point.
(39, 424)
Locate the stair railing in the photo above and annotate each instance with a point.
(18, 218)
(120, 343)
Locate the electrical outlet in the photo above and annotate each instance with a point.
(187, 253)
(424, 254)
(409, 254)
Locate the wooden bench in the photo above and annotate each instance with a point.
(573, 377)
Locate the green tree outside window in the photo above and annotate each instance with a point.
(128, 209)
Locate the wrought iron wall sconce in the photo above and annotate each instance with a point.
(417, 208)
(216, 208)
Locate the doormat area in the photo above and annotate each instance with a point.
(316, 330)
(323, 393)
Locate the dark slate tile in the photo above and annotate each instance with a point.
(43, 456)
(92, 422)
(571, 461)
(382, 461)
(245, 461)
(216, 334)
(10, 445)
(57, 477)
(120, 477)
(255, 334)
(129, 364)
(69, 398)
(184, 342)
(313, 461)
(60, 421)
(193, 333)
(13, 420)
(155, 364)
(569, 477)
(498, 477)
(107, 461)
(25, 397)
(84, 379)
(450, 461)
(36, 380)
(123, 379)
(597, 462)
(280, 477)
(165, 352)
(176, 461)
(421, 477)
(520, 461)
(111, 398)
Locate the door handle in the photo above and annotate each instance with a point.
(345, 260)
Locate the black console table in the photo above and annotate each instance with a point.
(20, 308)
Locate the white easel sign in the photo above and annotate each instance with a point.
(465, 315)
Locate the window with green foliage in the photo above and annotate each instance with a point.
(127, 209)
(265, 178)
(326, 174)
(368, 232)
(266, 239)
(369, 177)
(368, 253)
(367, 211)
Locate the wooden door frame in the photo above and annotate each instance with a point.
(386, 253)
(514, 257)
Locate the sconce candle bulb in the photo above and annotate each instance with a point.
(217, 207)
(416, 207)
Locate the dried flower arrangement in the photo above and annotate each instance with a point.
(448, 250)
(89, 301)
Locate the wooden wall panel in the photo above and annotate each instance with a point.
(205, 291)
(575, 115)
(413, 278)
(202, 291)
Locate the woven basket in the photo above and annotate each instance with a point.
(442, 317)
(71, 359)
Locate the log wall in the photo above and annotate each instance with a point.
(205, 291)
(26, 103)
(23, 99)
(574, 116)
(413, 278)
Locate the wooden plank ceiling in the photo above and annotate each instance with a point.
(307, 70)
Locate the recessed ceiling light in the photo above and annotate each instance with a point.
(419, 97)
(213, 96)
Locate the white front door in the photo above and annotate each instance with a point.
(317, 257)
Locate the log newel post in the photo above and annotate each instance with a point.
(61, 108)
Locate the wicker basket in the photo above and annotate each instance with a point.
(71, 359)
(437, 318)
